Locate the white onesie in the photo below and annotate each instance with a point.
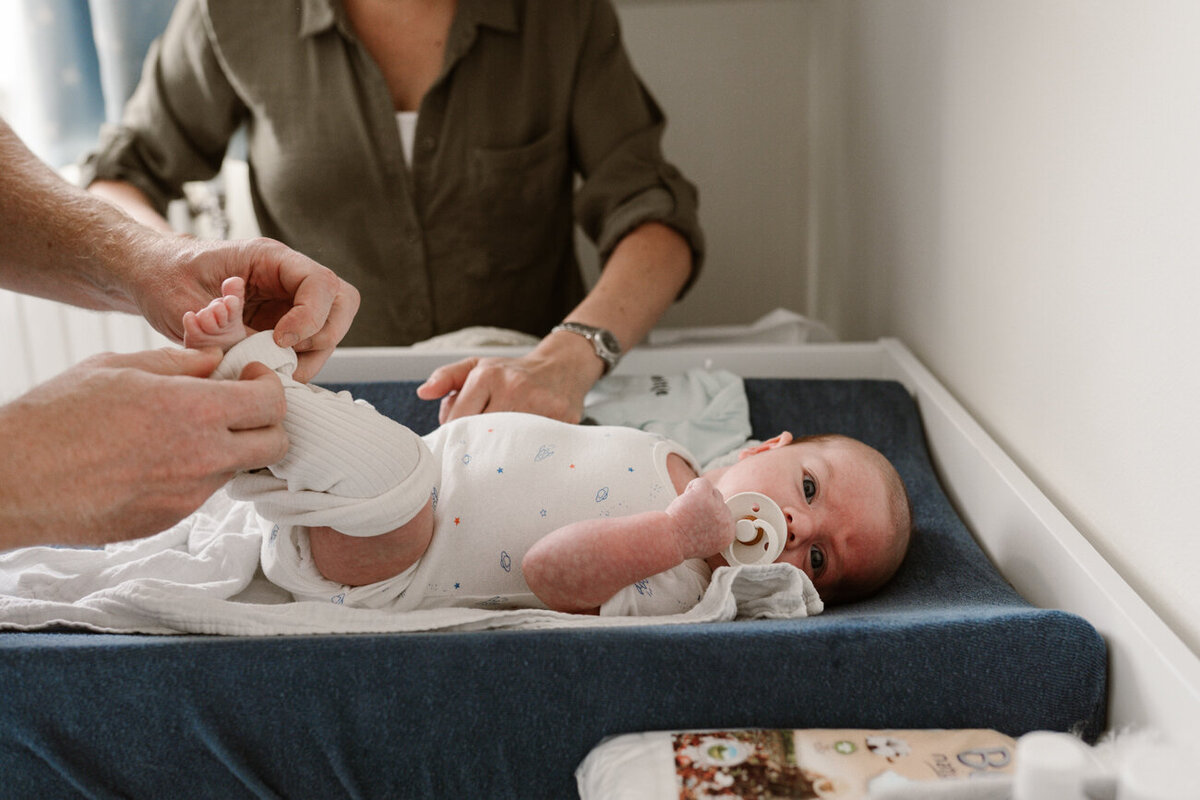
(509, 479)
(505, 481)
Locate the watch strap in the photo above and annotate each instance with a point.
(603, 341)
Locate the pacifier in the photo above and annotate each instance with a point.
(761, 529)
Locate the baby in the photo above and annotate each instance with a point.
(515, 510)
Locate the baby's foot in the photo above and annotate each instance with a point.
(219, 324)
(703, 522)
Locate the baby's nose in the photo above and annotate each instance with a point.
(799, 525)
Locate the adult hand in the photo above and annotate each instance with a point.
(552, 381)
(308, 305)
(645, 272)
(66, 245)
(122, 446)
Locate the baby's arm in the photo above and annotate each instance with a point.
(581, 565)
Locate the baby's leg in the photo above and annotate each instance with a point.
(355, 483)
(219, 324)
(361, 560)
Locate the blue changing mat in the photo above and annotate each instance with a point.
(510, 714)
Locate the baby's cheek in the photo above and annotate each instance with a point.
(790, 557)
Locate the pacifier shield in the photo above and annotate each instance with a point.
(761, 529)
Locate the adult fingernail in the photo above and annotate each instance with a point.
(286, 339)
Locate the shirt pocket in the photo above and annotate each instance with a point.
(522, 203)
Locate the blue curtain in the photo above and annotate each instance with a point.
(86, 57)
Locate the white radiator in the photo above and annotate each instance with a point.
(41, 338)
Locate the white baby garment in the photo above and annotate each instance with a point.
(348, 466)
(507, 480)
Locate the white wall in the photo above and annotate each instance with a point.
(732, 77)
(15, 89)
(1016, 184)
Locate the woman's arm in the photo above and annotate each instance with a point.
(132, 200)
(176, 126)
(637, 208)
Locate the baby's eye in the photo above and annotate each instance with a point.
(816, 560)
(810, 489)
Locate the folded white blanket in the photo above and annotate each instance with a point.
(704, 410)
(202, 576)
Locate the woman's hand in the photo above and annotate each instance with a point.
(644, 274)
(552, 381)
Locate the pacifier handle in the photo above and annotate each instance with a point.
(750, 531)
(760, 529)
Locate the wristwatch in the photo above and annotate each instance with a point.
(607, 346)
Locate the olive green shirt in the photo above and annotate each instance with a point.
(537, 121)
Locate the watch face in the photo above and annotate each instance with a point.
(605, 344)
(608, 341)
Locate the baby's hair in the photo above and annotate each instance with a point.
(899, 509)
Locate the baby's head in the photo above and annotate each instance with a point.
(848, 513)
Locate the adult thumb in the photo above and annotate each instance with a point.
(168, 361)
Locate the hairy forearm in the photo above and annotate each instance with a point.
(59, 241)
(580, 566)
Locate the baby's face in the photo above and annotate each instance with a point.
(835, 499)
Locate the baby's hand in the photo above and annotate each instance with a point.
(703, 523)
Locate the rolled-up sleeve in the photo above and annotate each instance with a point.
(617, 129)
(178, 123)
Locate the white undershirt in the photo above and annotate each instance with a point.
(407, 121)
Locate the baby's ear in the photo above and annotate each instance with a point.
(782, 440)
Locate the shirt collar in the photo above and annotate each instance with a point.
(472, 15)
(498, 14)
(315, 16)
(319, 15)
